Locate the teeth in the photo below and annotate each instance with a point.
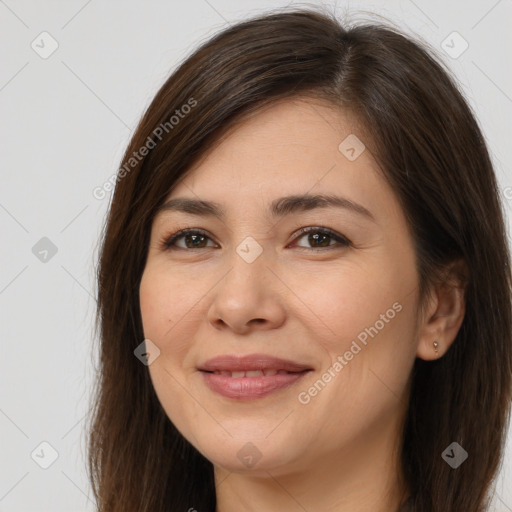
(254, 373)
(251, 373)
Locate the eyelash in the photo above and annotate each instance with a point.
(169, 243)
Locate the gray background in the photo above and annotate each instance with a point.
(66, 120)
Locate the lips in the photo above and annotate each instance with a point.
(253, 362)
(251, 377)
(251, 373)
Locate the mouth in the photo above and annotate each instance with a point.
(251, 373)
(251, 377)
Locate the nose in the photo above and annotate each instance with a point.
(249, 297)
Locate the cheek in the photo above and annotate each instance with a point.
(153, 304)
(172, 307)
(165, 302)
(374, 319)
(344, 301)
(161, 310)
(165, 309)
(368, 316)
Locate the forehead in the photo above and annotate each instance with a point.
(292, 147)
(283, 132)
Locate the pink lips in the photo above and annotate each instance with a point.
(250, 377)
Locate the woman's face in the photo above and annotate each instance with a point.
(327, 329)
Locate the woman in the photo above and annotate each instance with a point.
(304, 284)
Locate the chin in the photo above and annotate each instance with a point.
(248, 454)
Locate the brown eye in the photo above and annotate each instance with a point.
(321, 238)
(193, 239)
(318, 238)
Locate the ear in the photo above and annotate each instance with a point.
(444, 313)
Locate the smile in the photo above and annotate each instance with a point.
(251, 373)
(251, 377)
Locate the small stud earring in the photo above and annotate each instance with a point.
(435, 347)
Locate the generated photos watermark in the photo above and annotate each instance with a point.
(343, 360)
(101, 192)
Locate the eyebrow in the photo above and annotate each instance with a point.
(278, 208)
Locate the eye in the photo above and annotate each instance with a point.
(196, 238)
(318, 237)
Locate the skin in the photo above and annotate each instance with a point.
(298, 300)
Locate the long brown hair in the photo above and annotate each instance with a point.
(431, 150)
